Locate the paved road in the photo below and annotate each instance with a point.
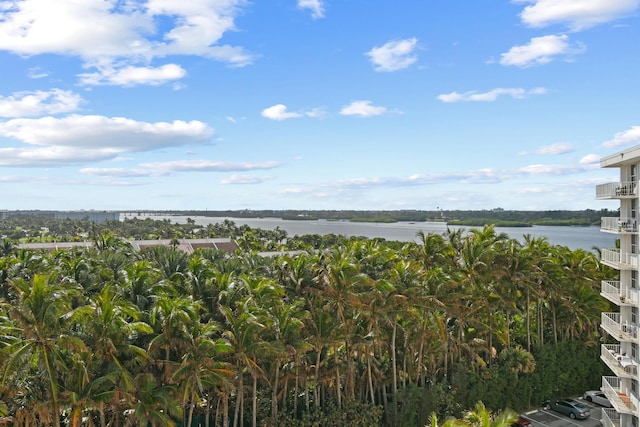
(544, 418)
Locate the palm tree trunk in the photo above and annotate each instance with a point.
(238, 399)
(555, 324)
(225, 408)
(338, 385)
(76, 416)
(274, 395)
(191, 408)
(207, 412)
(254, 421)
(394, 375)
(316, 388)
(370, 380)
(528, 320)
(285, 393)
(103, 421)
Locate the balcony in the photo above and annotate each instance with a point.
(619, 260)
(626, 331)
(620, 396)
(622, 366)
(610, 289)
(616, 190)
(610, 418)
(618, 225)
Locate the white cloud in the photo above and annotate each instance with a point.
(576, 14)
(362, 109)
(118, 172)
(245, 179)
(477, 176)
(168, 168)
(28, 104)
(540, 50)
(124, 33)
(52, 156)
(558, 148)
(131, 76)
(37, 73)
(394, 55)
(77, 139)
(490, 96)
(316, 7)
(208, 166)
(628, 137)
(590, 159)
(279, 112)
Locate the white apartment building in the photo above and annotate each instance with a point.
(623, 356)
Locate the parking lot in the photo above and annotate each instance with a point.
(542, 417)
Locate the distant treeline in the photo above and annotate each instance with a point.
(498, 217)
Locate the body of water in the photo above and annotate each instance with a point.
(572, 237)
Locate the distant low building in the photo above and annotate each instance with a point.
(185, 245)
(4, 214)
(94, 216)
(91, 215)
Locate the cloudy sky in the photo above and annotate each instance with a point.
(314, 104)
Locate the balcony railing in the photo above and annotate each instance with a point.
(620, 397)
(610, 418)
(618, 225)
(619, 260)
(611, 323)
(621, 365)
(616, 190)
(610, 289)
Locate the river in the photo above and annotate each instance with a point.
(573, 237)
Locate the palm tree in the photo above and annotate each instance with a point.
(536, 251)
(7, 247)
(242, 329)
(154, 403)
(174, 316)
(449, 422)
(342, 284)
(285, 319)
(38, 309)
(108, 330)
(481, 417)
(201, 367)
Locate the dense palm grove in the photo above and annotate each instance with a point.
(329, 331)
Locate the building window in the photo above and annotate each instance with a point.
(634, 175)
(634, 243)
(634, 350)
(634, 315)
(634, 421)
(634, 279)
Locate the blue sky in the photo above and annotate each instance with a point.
(314, 104)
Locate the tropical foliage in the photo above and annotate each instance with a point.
(340, 332)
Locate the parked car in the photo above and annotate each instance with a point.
(521, 422)
(570, 407)
(597, 397)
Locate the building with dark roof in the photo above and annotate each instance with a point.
(185, 245)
